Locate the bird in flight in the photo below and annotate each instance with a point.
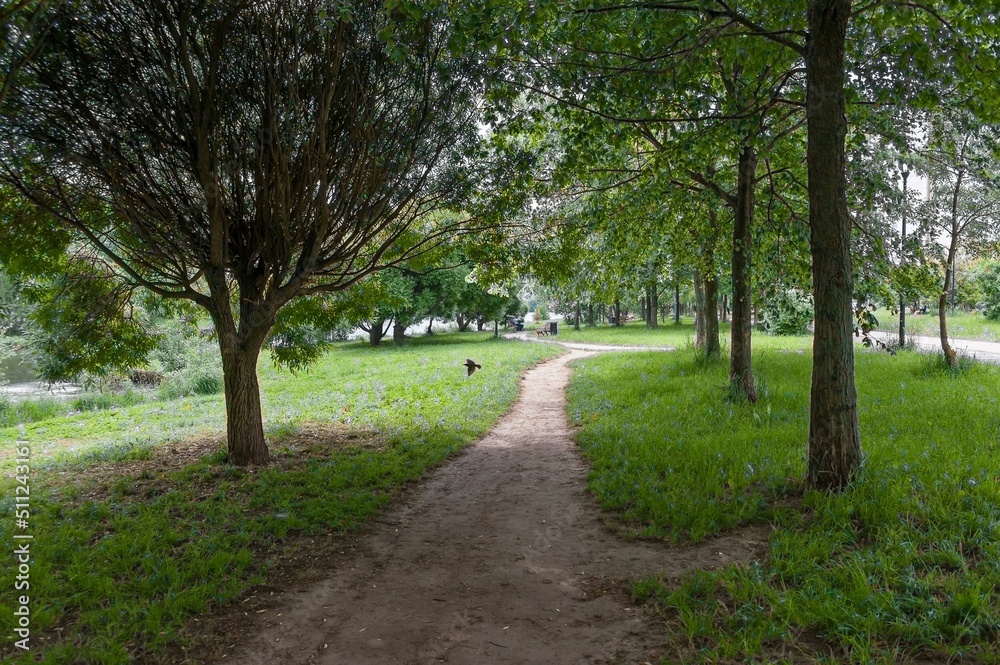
(472, 365)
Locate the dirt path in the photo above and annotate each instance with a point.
(498, 557)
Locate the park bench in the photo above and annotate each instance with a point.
(544, 330)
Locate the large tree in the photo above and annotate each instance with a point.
(241, 155)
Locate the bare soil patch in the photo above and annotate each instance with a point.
(500, 556)
(151, 474)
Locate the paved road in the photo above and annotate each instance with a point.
(985, 351)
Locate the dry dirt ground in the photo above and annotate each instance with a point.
(499, 556)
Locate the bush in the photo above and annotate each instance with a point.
(788, 313)
(198, 369)
(988, 280)
(192, 381)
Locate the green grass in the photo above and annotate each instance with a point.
(121, 576)
(13, 413)
(669, 335)
(961, 325)
(905, 564)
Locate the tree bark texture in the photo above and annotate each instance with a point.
(700, 329)
(377, 332)
(834, 434)
(398, 333)
(590, 315)
(713, 348)
(244, 420)
(677, 302)
(240, 343)
(950, 356)
(654, 309)
(740, 360)
(579, 314)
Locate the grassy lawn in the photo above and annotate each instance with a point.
(116, 571)
(668, 334)
(906, 564)
(961, 325)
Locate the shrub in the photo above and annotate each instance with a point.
(988, 279)
(788, 313)
(199, 371)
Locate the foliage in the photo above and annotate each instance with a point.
(14, 310)
(987, 277)
(789, 312)
(306, 327)
(193, 367)
(237, 172)
(87, 323)
(121, 576)
(900, 564)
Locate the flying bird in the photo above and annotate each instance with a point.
(472, 365)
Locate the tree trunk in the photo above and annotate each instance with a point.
(590, 315)
(741, 376)
(643, 309)
(376, 332)
(654, 310)
(240, 344)
(481, 323)
(700, 331)
(724, 308)
(950, 356)
(244, 420)
(677, 302)
(949, 273)
(576, 321)
(713, 348)
(398, 333)
(618, 313)
(834, 434)
(430, 326)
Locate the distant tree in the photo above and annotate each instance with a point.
(964, 207)
(987, 276)
(243, 155)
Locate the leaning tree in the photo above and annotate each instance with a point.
(241, 155)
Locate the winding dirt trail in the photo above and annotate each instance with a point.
(498, 557)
